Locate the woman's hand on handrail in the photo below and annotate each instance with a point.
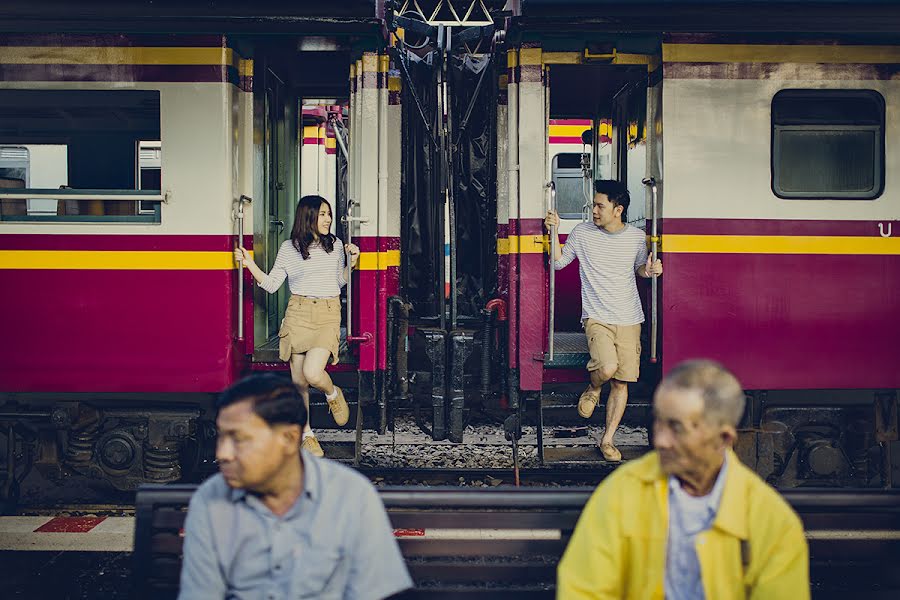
(353, 251)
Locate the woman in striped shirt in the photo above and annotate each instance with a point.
(313, 262)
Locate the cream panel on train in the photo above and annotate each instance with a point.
(720, 165)
(197, 162)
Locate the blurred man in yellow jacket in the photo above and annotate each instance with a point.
(688, 521)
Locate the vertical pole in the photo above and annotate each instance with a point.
(240, 294)
(551, 311)
(654, 248)
(553, 239)
(512, 210)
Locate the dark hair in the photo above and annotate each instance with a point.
(306, 229)
(616, 192)
(276, 399)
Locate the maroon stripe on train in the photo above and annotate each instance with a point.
(113, 40)
(527, 300)
(781, 71)
(533, 283)
(513, 304)
(122, 243)
(120, 331)
(527, 226)
(147, 73)
(786, 321)
(503, 265)
(775, 227)
(367, 243)
(571, 139)
(388, 243)
(570, 122)
(530, 74)
(365, 312)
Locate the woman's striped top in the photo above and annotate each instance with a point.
(319, 276)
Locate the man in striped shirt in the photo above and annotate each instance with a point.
(610, 254)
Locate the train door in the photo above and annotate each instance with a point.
(273, 216)
(597, 128)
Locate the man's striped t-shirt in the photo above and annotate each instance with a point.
(607, 265)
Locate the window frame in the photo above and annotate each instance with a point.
(566, 173)
(154, 196)
(140, 197)
(834, 127)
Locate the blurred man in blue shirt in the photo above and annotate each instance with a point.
(278, 522)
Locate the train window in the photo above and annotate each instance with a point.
(80, 155)
(570, 185)
(828, 144)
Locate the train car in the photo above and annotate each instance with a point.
(758, 156)
(767, 164)
(131, 165)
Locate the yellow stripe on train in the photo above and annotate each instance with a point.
(523, 244)
(103, 260)
(152, 260)
(378, 261)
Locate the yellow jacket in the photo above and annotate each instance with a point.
(755, 548)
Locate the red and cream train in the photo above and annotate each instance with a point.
(778, 207)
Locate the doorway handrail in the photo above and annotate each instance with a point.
(239, 217)
(654, 250)
(349, 219)
(551, 186)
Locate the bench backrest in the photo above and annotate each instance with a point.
(470, 542)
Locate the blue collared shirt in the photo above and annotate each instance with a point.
(334, 543)
(688, 516)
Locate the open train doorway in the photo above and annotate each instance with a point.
(300, 87)
(599, 126)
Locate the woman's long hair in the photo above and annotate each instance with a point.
(306, 231)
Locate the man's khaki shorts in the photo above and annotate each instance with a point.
(614, 345)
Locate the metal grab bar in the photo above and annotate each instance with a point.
(239, 216)
(348, 220)
(553, 235)
(85, 195)
(654, 250)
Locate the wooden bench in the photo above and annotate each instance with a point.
(458, 542)
(505, 543)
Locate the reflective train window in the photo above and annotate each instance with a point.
(80, 155)
(828, 144)
(572, 192)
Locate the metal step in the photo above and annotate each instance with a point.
(570, 350)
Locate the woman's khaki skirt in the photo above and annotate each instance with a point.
(310, 323)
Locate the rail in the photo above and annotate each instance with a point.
(86, 195)
(551, 186)
(654, 250)
(239, 217)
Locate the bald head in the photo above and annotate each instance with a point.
(722, 395)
